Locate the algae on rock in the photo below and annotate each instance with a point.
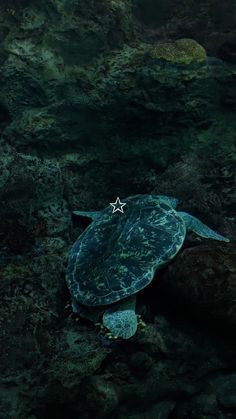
(182, 51)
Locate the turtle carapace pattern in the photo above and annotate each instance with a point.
(118, 254)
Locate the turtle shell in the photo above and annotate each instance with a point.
(118, 253)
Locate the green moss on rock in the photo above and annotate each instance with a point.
(182, 51)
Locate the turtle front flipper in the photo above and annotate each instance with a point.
(195, 225)
(121, 319)
(89, 214)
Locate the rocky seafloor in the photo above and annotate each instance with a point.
(110, 98)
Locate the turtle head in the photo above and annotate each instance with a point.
(121, 323)
(169, 200)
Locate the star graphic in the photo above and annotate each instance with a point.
(118, 205)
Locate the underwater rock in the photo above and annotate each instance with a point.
(53, 93)
(160, 410)
(182, 51)
(225, 386)
(28, 316)
(45, 53)
(31, 192)
(203, 405)
(204, 279)
(101, 396)
(79, 355)
(227, 51)
(11, 403)
(140, 363)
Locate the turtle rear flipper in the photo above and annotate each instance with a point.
(195, 225)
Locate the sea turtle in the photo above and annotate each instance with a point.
(118, 253)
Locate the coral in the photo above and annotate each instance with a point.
(182, 51)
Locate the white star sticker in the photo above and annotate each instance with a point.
(118, 205)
